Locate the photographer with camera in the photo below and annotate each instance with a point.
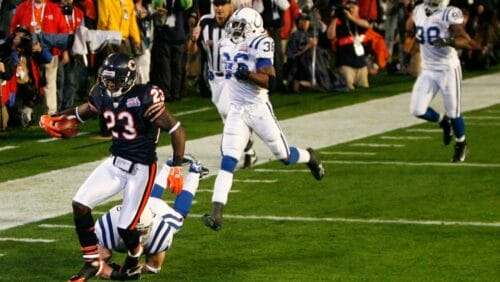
(28, 55)
(346, 32)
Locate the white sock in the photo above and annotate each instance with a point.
(222, 186)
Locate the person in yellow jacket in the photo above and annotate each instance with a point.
(119, 15)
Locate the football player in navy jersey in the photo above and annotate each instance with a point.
(134, 114)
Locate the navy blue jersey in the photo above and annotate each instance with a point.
(130, 119)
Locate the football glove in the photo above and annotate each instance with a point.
(242, 72)
(175, 180)
(48, 124)
(443, 42)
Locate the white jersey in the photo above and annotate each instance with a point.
(166, 222)
(428, 29)
(249, 53)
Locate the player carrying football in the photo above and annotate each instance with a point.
(439, 30)
(247, 56)
(134, 114)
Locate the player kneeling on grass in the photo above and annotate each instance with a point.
(135, 114)
(158, 225)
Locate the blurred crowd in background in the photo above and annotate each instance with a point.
(50, 51)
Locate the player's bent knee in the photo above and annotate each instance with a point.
(79, 210)
(228, 164)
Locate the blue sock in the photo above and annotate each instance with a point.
(228, 163)
(183, 203)
(430, 115)
(458, 126)
(294, 156)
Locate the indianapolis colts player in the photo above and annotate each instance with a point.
(134, 113)
(158, 223)
(439, 30)
(247, 55)
(206, 37)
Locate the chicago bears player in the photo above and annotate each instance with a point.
(134, 114)
(247, 55)
(158, 223)
(206, 36)
(439, 30)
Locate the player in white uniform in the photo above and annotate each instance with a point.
(206, 36)
(439, 30)
(248, 62)
(158, 223)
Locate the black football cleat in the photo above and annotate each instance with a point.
(250, 158)
(89, 270)
(460, 152)
(446, 126)
(315, 165)
(214, 219)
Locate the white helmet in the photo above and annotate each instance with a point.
(146, 221)
(434, 5)
(244, 24)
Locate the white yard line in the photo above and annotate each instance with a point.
(405, 137)
(349, 153)
(7, 148)
(193, 111)
(48, 195)
(329, 219)
(360, 220)
(210, 191)
(256, 180)
(423, 130)
(482, 117)
(376, 145)
(483, 123)
(392, 163)
(26, 240)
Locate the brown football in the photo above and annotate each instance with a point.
(68, 126)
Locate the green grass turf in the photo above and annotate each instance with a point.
(281, 250)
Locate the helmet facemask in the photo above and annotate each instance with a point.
(238, 30)
(118, 74)
(432, 6)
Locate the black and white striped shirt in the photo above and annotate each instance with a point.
(210, 35)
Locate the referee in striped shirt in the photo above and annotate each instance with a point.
(206, 36)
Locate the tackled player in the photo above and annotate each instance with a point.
(134, 114)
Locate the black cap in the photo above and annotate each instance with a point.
(221, 2)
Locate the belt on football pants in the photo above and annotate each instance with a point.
(123, 164)
(212, 74)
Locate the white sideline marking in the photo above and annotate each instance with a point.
(7, 148)
(255, 180)
(361, 220)
(482, 117)
(376, 145)
(27, 240)
(493, 111)
(1, 255)
(210, 190)
(55, 139)
(194, 111)
(349, 153)
(414, 164)
(56, 226)
(484, 123)
(280, 170)
(422, 130)
(405, 137)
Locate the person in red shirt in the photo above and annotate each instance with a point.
(44, 16)
(71, 75)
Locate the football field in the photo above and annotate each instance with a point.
(390, 208)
